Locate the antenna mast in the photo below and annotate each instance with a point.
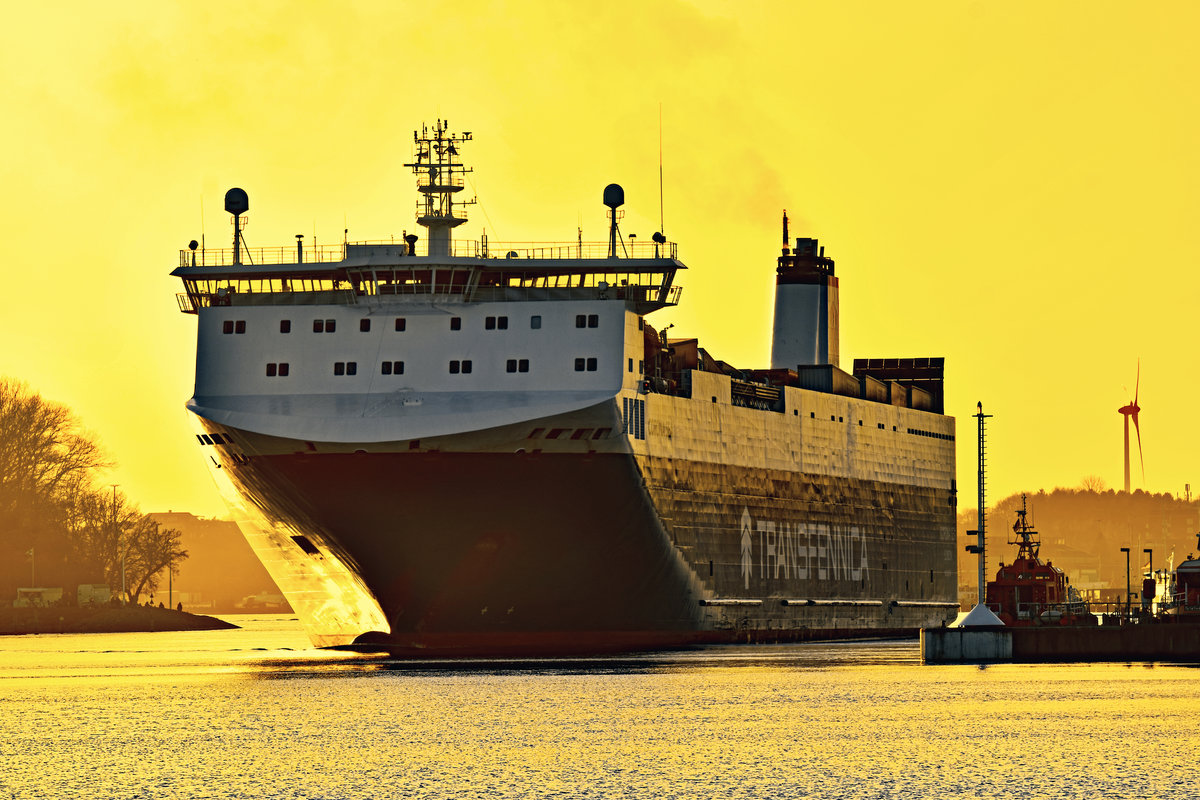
(660, 178)
(440, 173)
(981, 548)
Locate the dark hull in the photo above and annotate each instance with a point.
(494, 554)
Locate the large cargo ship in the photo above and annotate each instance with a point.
(462, 448)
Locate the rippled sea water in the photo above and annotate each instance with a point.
(255, 713)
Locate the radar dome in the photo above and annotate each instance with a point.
(614, 195)
(237, 201)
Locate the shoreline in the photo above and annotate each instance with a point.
(103, 619)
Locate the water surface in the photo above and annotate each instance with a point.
(257, 713)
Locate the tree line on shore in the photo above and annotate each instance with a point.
(59, 525)
(1083, 530)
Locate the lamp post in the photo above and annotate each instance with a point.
(1125, 550)
(117, 540)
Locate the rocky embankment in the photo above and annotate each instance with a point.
(104, 619)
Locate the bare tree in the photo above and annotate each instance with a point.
(122, 543)
(45, 460)
(1094, 483)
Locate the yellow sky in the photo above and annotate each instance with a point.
(1009, 185)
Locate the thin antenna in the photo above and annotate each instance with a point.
(202, 224)
(982, 511)
(660, 172)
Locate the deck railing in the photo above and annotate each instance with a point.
(331, 254)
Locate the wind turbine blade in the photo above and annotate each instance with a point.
(1136, 384)
(1141, 460)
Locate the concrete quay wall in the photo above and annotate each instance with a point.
(1147, 642)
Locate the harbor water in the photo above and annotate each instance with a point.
(257, 713)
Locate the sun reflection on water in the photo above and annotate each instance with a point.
(257, 713)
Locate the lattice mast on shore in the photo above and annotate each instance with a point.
(440, 177)
(981, 546)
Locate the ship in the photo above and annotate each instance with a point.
(444, 447)
(1030, 591)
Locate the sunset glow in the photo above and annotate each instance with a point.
(1010, 186)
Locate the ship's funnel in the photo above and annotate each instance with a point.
(806, 308)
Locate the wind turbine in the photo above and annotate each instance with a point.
(1129, 411)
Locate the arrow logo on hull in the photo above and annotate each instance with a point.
(746, 546)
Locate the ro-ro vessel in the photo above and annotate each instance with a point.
(457, 447)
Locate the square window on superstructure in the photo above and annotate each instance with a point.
(285, 326)
(227, 326)
(535, 322)
(466, 366)
(401, 323)
(510, 365)
(351, 367)
(489, 323)
(339, 368)
(579, 363)
(641, 367)
(591, 365)
(580, 321)
(502, 323)
(364, 325)
(283, 369)
(386, 368)
(523, 365)
(318, 326)
(456, 323)
(593, 320)
(239, 326)
(330, 325)
(455, 367)
(397, 367)
(631, 365)
(271, 370)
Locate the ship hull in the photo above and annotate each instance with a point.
(522, 554)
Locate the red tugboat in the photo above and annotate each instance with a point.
(1030, 592)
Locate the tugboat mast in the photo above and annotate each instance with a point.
(1026, 538)
(439, 172)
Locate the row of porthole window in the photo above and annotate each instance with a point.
(401, 323)
(456, 367)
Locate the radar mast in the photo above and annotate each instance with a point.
(440, 173)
